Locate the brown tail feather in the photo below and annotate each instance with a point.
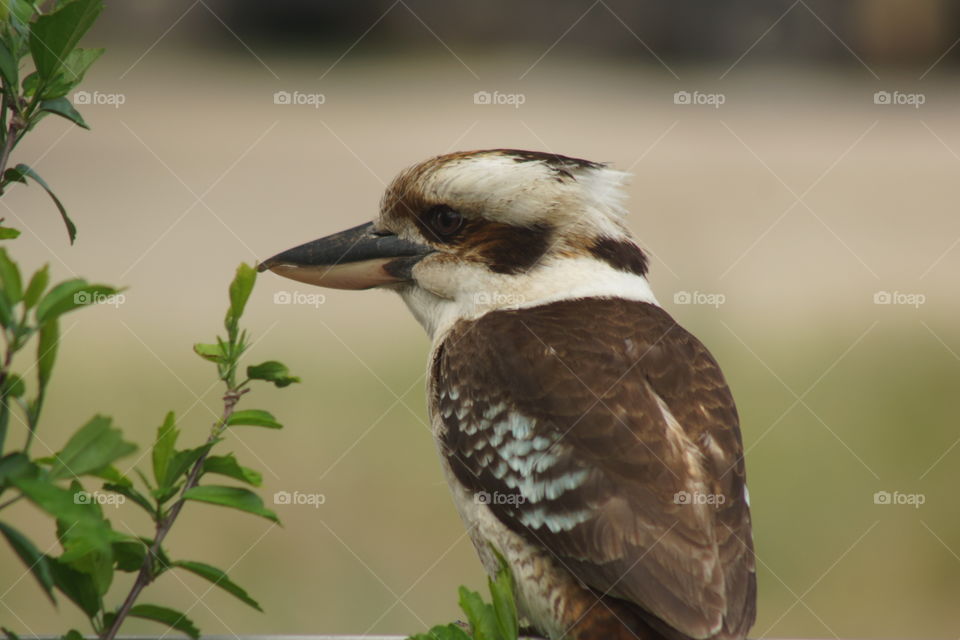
(614, 619)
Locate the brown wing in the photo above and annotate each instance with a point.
(607, 434)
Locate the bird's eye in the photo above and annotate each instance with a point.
(444, 220)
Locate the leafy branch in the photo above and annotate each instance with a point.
(91, 550)
(170, 466)
(50, 40)
(496, 620)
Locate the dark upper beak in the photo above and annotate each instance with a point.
(358, 258)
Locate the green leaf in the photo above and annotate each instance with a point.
(129, 554)
(77, 586)
(7, 632)
(53, 36)
(218, 578)
(63, 108)
(171, 618)
(504, 604)
(9, 69)
(272, 371)
(70, 295)
(74, 67)
(211, 352)
(21, 11)
(179, 465)
(13, 175)
(38, 284)
(14, 466)
(132, 494)
(254, 417)
(61, 503)
(227, 466)
(25, 170)
(83, 532)
(164, 447)
(7, 318)
(35, 561)
(443, 632)
(10, 278)
(30, 84)
(112, 475)
(73, 634)
(13, 386)
(47, 347)
(480, 615)
(8, 233)
(161, 495)
(234, 497)
(94, 446)
(240, 290)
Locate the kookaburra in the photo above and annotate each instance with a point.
(586, 437)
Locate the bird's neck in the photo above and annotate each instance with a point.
(566, 279)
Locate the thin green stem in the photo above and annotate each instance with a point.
(3, 117)
(146, 573)
(4, 405)
(8, 145)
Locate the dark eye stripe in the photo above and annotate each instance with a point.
(621, 255)
(504, 248)
(509, 249)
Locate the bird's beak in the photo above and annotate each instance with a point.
(358, 258)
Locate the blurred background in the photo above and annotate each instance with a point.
(795, 178)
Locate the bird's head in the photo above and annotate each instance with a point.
(465, 233)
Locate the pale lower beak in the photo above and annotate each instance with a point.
(358, 258)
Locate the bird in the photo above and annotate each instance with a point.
(589, 441)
